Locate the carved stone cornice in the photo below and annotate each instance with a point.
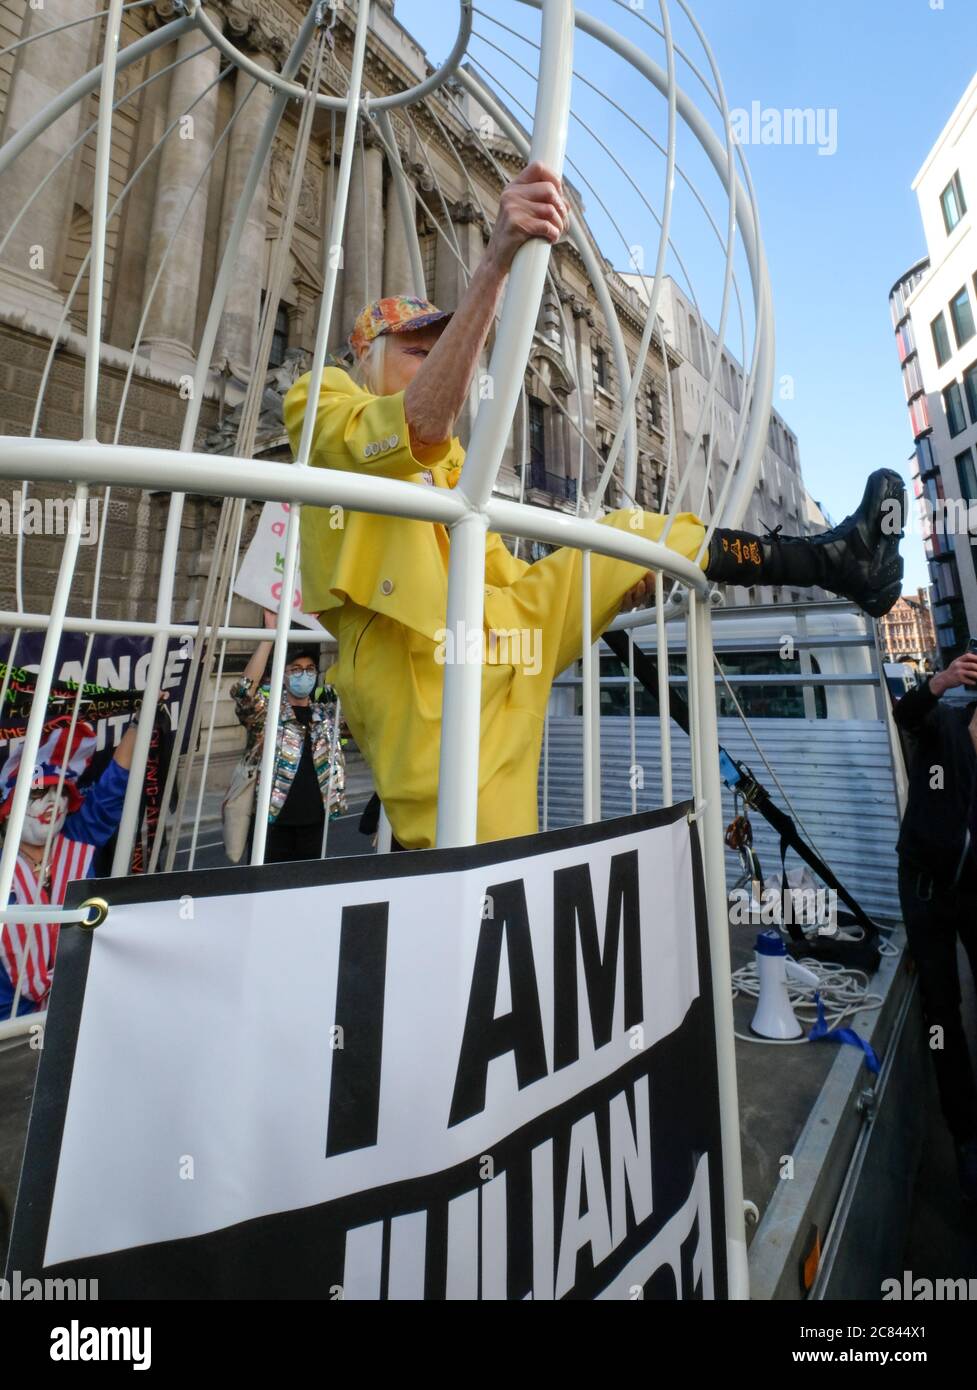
(270, 27)
(558, 372)
(371, 136)
(163, 12)
(464, 213)
(262, 24)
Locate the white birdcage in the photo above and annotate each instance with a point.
(543, 55)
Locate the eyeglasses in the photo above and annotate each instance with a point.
(300, 670)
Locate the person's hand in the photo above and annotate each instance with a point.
(532, 205)
(127, 744)
(963, 671)
(640, 594)
(270, 619)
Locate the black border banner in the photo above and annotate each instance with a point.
(244, 1261)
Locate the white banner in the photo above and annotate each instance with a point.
(464, 1076)
(262, 569)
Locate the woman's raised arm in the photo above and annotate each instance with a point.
(531, 206)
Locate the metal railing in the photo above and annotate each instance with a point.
(554, 483)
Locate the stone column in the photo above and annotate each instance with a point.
(398, 276)
(363, 242)
(137, 214)
(33, 257)
(583, 322)
(450, 286)
(569, 439)
(171, 321)
(450, 280)
(237, 337)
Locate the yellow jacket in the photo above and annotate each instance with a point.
(388, 564)
(380, 584)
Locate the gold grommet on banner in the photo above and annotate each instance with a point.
(101, 912)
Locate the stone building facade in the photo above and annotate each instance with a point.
(779, 496)
(174, 204)
(457, 184)
(906, 633)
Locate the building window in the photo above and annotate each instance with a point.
(600, 367)
(963, 317)
(941, 339)
(912, 377)
(429, 260)
(279, 342)
(905, 340)
(933, 492)
(967, 475)
(953, 204)
(654, 408)
(537, 433)
(694, 356)
(953, 405)
(924, 455)
(920, 416)
(970, 387)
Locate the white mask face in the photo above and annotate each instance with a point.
(40, 813)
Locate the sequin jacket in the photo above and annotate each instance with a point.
(250, 707)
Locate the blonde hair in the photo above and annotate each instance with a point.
(368, 371)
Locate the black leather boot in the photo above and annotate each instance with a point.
(858, 559)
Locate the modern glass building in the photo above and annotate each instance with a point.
(934, 315)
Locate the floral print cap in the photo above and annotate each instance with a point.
(396, 314)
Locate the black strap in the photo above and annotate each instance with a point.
(757, 796)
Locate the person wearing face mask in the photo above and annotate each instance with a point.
(60, 835)
(309, 775)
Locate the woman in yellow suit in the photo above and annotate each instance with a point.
(379, 584)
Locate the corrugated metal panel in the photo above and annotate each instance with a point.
(837, 773)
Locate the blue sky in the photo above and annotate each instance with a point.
(838, 228)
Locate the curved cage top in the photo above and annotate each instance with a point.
(246, 176)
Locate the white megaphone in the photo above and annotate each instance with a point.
(774, 1017)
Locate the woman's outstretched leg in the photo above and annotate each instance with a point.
(858, 559)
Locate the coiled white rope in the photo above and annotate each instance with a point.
(844, 993)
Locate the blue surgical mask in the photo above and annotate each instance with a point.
(302, 684)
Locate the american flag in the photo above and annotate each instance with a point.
(34, 943)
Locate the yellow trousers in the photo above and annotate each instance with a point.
(390, 680)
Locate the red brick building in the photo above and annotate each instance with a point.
(907, 630)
